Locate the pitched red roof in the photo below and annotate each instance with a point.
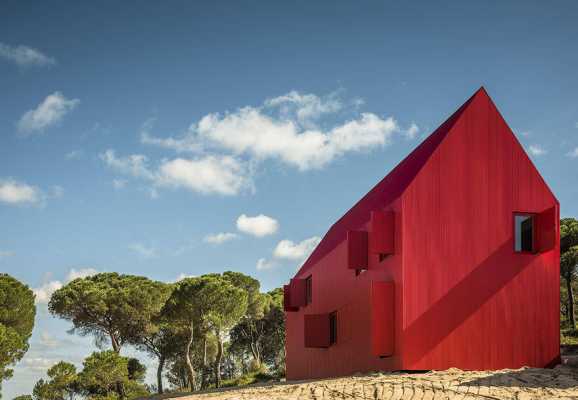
(386, 191)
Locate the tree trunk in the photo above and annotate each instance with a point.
(116, 348)
(204, 370)
(218, 362)
(570, 302)
(190, 367)
(160, 374)
(255, 353)
(114, 342)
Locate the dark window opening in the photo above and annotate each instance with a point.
(332, 328)
(309, 290)
(524, 233)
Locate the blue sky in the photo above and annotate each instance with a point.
(190, 137)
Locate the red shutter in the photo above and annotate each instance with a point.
(287, 299)
(316, 330)
(546, 230)
(381, 238)
(357, 250)
(382, 318)
(298, 293)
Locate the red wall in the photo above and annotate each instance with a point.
(470, 301)
(337, 288)
(463, 298)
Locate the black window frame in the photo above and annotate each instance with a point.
(333, 328)
(309, 289)
(524, 249)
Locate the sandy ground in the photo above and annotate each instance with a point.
(526, 383)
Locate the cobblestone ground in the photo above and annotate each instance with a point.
(526, 383)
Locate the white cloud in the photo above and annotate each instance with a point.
(536, 150)
(134, 165)
(25, 56)
(258, 226)
(48, 341)
(6, 254)
(305, 107)
(296, 251)
(17, 193)
(285, 128)
(412, 131)
(184, 144)
(221, 237)
(250, 131)
(183, 276)
(80, 273)
(44, 292)
(573, 153)
(51, 111)
(143, 250)
(210, 174)
(38, 363)
(264, 264)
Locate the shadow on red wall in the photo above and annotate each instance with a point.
(463, 300)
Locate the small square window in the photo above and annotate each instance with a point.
(332, 328)
(524, 233)
(309, 289)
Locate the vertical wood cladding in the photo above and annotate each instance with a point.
(463, 297)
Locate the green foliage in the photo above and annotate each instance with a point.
(568, 233)
(109, 305)
(23, 397)
(61, 386)
(569, 262)
(569, 336)
(184, 325)
(263, 337)
(201, 305)
(17, 313)
(249, 379)
(107, 375)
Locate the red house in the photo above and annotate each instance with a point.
(452, 260)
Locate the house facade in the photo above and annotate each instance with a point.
(452, 260)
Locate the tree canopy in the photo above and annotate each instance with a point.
(17, 313)
(110, 306)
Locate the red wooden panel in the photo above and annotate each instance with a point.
(546, 229)
(298, 293)
(287, 299)
(316, 330)
(463, 297)
(381, 238)
(382, 318)
(357, 250)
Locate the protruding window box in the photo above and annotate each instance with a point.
(357, 250)
(381, 238)
(298, 293)
(287, 299)
(546, 229)
(318, 330)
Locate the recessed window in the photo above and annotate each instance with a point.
(524, 233)
(309, 289)
(332, 328)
